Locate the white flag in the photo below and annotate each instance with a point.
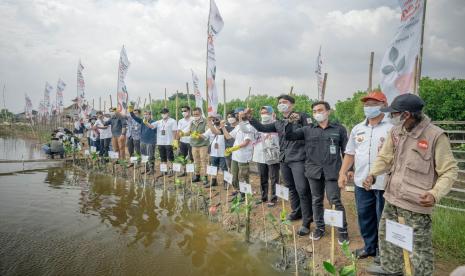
(59, 100)
(398, 64)
(122, 93)
(80, 85)
(28, 107)
(48, 90)
(319, 76)
(198, 97)
(215, 24)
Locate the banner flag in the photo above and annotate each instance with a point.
(198, 97)
(28, 107)
(319, 75)
(122, 93)
(80, 86)
(59, 100)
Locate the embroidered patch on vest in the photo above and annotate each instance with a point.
(423, 144)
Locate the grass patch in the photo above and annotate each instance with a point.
(449, 231)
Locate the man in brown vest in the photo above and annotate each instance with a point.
(420, 170)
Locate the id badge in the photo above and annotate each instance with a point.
(163, 132)
(332, 149)
(216, 146)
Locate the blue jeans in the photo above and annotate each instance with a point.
(219, 162)
(369, 208)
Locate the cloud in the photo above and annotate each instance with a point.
(269, 45)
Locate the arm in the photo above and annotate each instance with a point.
(344, 140)
(135, 118)
(212, 128)
(384, 159)
(293, 133)
(261, 127)
(446, 168)
(226, 134)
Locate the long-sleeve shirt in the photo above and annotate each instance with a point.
(147, 135)
(445, 165)
(290, 151)
(133, 129)
(324, 148)
(118, 123)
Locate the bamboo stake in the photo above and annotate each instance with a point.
(415, 76)
(111, 102)
(264, 226)
(408, 268)
(224, 99)
(150, 104)
(104, 106)
(92, 103)
(165, 98)
(100, 103)
(248, 97)
(332, 239)
(323, 89)
(177, 100)
(295, 253)
(420, 60)
(370, 72)
(290, 91)
(188, 96)
(138, 102)
(145, 101)
(313, 255)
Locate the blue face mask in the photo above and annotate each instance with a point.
(371, 111)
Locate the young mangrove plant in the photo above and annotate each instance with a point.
(347, 270)
(281, 228)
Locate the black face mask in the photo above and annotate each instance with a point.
(217, 123)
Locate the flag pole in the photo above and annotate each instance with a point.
(165, 98)
(224, 99)
(370, 72)
(188, 96)
(420, 59)
(248, 97)
(323, 89)
(206, 64)
(290, 91)
(176, 102)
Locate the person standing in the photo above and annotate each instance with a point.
(118, 125)
(266, 155)
(325, 143)
(365, 141)
(217, 145)
(421, 170)
(105, 133)
(199, 145)
(147, 136)
(184, 125)
(230, 125)
(166, 132)
(133, 134)
(292, 162)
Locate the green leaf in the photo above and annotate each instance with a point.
(347, 271)
(401, 64)
(388, 69)
(329, 267)
(345, 249)
(393, 54)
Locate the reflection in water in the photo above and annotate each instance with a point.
(91, 224)
(17, 149)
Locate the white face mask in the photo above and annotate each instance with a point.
(372, 111)
(231, 120)
(320, 117)
(396, 121)
(185, 114)
(244, 127)
(196, 118)
(282, 107)
(266, 118)
(164, 116)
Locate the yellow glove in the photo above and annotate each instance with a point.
(181, 134)
(130, 108)
(230, 150)
(196, 135)
(175, 144)
(145, 121)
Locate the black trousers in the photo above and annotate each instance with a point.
(133, 146)
(185, 149)
(268, 173)
(166, 153)
(300, 194)
(105, 146)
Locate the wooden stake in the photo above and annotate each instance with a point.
(224, 99)
(407, 266)
(323, 89)
(248, 97)
(264, 226)
(138, 102)
(188, 96)
(332, 239)
(210, 189)
(415, 76)
(177, 100)
(145, 102)
(100, 103)
(111, 102)
(104, 106)
(165, 98)
(295, 253)
(313, 256)
(227, 195)
(134, 166)
(420, 60)
(370, 72)
(290, 91)
(93, 104)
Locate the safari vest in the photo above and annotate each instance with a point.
(413, 172)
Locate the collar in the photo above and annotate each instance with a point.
(418, 129)
(330, 124)
(383, 121)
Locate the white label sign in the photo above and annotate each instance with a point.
(245, 188)
(212, 170)
(333, 218)
(177, 167)
(282, 192)
(93, 149)
(86, 152)
(399, 234)
(163, 168)
(113, 154)
(133, 159)
(144, 158)
(227, 177)
(190, 168)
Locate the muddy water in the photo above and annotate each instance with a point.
(18, 149)
(63, 222)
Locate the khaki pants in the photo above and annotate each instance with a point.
(201, 156)
(118, 144)
(240, 172)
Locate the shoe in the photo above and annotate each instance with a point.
(378, 270)
(292, 217)
(343, 237)
(196, 178)
(271, 204)
(303, 231)
(214, 182)
(317, 234)
(182, 175)
(360, 253)
(233, 194)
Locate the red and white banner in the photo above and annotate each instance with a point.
(198, 97)
(59, 100)
(122, 93)
(47, 92)
(398, 64)
(319, 75)
(80, 85)
(215, 24)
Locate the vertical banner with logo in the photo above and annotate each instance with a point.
(198, 97)
(28, 107)
(398, 64)
(47, 92)
(215, 24)
(319, 76)
(122, 93)
(80, 90)
(59, 100)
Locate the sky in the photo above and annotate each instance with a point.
(268, 45)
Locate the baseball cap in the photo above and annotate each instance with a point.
(164, 111)
(376, 95)
(405, 102)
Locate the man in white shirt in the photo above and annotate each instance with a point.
(184, 126)
(166, 132)
(266, 155)
(242, 151)
(105, 133)
(217, 145)
(365, 141)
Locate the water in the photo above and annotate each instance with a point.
(17, 149)
(63, 222)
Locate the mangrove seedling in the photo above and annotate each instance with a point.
(348, 270)
(281, 228)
